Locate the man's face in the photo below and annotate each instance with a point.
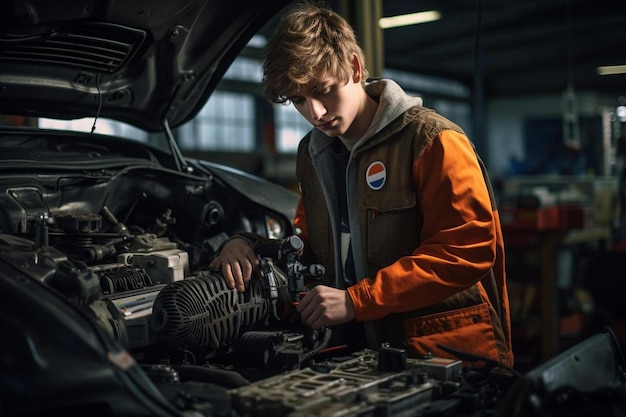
(329, 104)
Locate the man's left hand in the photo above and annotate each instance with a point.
(325, 306)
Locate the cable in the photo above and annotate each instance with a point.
(99, 103)
(316, 351)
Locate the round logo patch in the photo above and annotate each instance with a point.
(376, 175)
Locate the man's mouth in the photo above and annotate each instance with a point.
(326, 125)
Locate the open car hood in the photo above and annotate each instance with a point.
(142, 62)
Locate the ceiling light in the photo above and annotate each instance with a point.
(409, 19)
(612, 70)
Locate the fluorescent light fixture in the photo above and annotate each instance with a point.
(612, 70)
(409, 19)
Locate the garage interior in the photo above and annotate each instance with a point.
(540, 88)
(548, 126)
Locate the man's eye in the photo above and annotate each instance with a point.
(324, 91)
(297, 101)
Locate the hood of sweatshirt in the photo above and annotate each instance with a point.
(392, 102)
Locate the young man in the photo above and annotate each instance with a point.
(395, 203)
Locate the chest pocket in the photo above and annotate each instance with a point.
(393, 225)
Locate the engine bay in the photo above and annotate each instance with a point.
(131, 249)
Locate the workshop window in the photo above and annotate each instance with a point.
(245, 69)
(290, 128)
(225, 123)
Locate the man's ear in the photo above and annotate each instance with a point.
(356, 69)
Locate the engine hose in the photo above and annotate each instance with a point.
(316, 350)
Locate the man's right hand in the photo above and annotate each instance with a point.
(237, 262)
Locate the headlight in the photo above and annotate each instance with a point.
(275, 227)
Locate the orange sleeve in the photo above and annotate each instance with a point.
(458, 237)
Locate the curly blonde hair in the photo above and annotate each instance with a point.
(311, 42)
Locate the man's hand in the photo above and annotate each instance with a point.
(325, 306)
(238, 262)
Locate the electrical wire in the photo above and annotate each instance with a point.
(99, 103)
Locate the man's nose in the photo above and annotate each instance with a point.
(316, 108)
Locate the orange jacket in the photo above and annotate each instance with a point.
(429, 251)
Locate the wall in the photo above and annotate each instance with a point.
(505, 119)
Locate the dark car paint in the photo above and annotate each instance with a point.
(138, 61)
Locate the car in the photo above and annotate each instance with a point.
(108, 305)
(92, 226)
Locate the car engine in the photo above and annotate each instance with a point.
(105, 278)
